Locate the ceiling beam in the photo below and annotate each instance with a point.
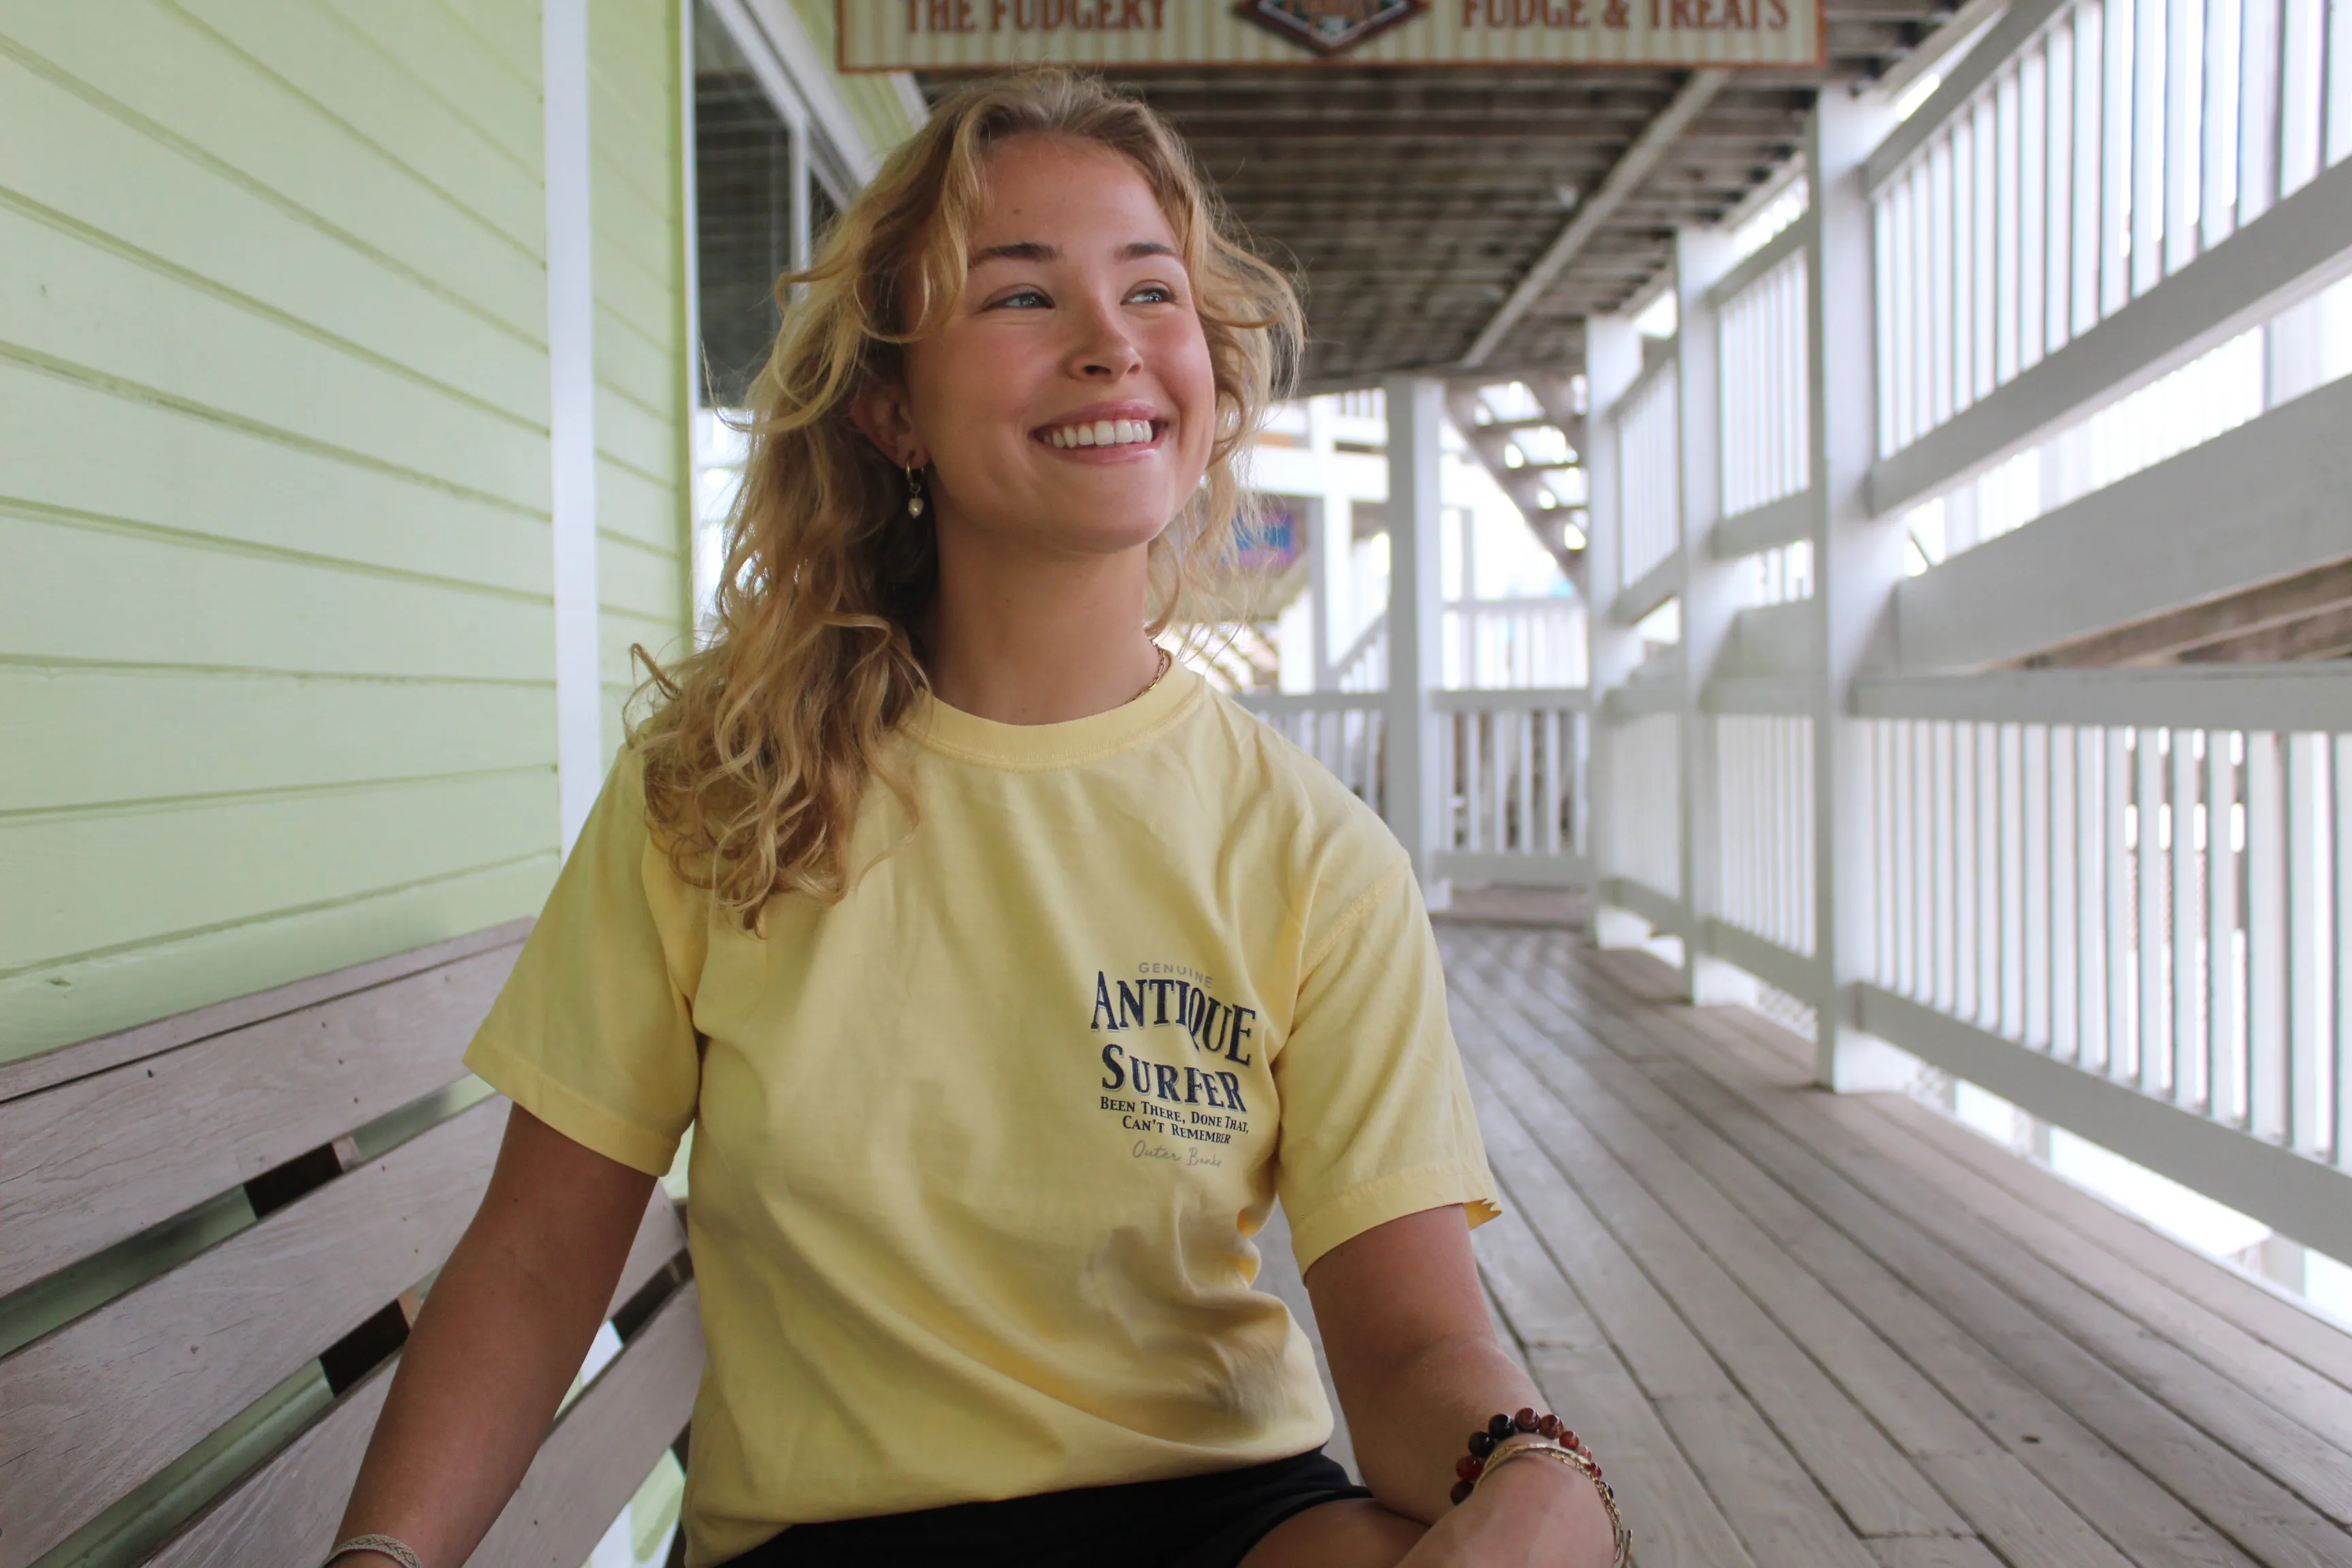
(1628, 174)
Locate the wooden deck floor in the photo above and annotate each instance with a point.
(1807, 1330)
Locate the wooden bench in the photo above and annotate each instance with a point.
(214, 1232)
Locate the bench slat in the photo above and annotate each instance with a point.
(88, 1162)
(50, 1068)
(283, 1515)
(92, 1410)
(604, 1447)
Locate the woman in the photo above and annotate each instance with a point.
(1007, 975)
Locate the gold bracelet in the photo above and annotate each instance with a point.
(1621, 1556)
(399, 1551)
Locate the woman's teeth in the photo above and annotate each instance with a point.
(1102, 433)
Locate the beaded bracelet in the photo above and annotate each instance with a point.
(1507, 1437)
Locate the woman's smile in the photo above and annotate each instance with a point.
(1125, 431)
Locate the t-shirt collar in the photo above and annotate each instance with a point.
(970, 738)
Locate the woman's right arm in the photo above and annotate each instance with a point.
(502, 1337)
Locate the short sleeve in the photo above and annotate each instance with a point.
(1377, 1121)
(593, 1032)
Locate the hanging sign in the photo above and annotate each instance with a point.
(1130, 35)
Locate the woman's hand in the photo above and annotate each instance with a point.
(1534, 1513)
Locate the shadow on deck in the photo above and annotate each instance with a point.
(1808, 1331)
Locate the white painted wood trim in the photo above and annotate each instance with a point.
(2262, 502)
(1516, 699)
(2297, 248)
(1777, 967)
(1273, 704)
(572, 413)
(2298, 1196)
(690, 291)
(1776, 639)
(1797, 237)
(1635, 602)
(1639, 897)
(1504, 871)
(1766, 527)
(813, 82)
(1650, 691)
(1769, 696)
(1413, 791)
(2282, 697)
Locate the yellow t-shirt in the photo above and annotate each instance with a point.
(980, 1150)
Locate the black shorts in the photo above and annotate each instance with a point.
(1193, 1521)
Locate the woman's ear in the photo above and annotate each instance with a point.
(880, 411)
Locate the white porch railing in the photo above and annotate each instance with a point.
(1649, 474)
(2163, 906)
(1485, 645)
(1764, 835)
(1762, 341)
(1644, 757)
(1511, 766)
(2120, 899)
(1344, 731)
(2112, 150)
(1514, 767)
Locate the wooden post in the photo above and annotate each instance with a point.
(1612, 359)
(1416, 793)
(1334, 547)
(1857, 562)
(572, 417)
(1713, 593)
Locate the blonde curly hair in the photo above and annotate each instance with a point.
(759, 748)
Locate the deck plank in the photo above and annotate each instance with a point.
(1874, 1483)
(2134, 1346)
(2023, 1515)
(1880, 1208)
(2148, 1523)
(1784, 1521)
(2292, 1330)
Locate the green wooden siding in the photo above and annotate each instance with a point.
(275, 634)
(644, 581)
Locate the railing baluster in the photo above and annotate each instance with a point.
(2300, 59)
(2339, 1149)
(2115, 777)
(2065, 892)
(2032, 951)
(2147, 908)
(2222, 1058)
(2189, 1053)
(2307, 958)
(2184, 51)
(2059, 189)
(2266, 937)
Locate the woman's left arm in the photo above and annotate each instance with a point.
(1412, 1351)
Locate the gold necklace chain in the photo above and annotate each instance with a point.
(1167, 663)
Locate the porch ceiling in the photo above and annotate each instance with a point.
(1412, 203)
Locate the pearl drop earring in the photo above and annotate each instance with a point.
(914, 491)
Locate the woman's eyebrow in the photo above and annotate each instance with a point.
(1036, 250)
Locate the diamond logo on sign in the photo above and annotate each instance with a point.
(1328, 27)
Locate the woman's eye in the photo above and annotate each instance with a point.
(1023, 299)
(1153, 294)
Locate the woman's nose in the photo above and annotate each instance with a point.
(1103, 349)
